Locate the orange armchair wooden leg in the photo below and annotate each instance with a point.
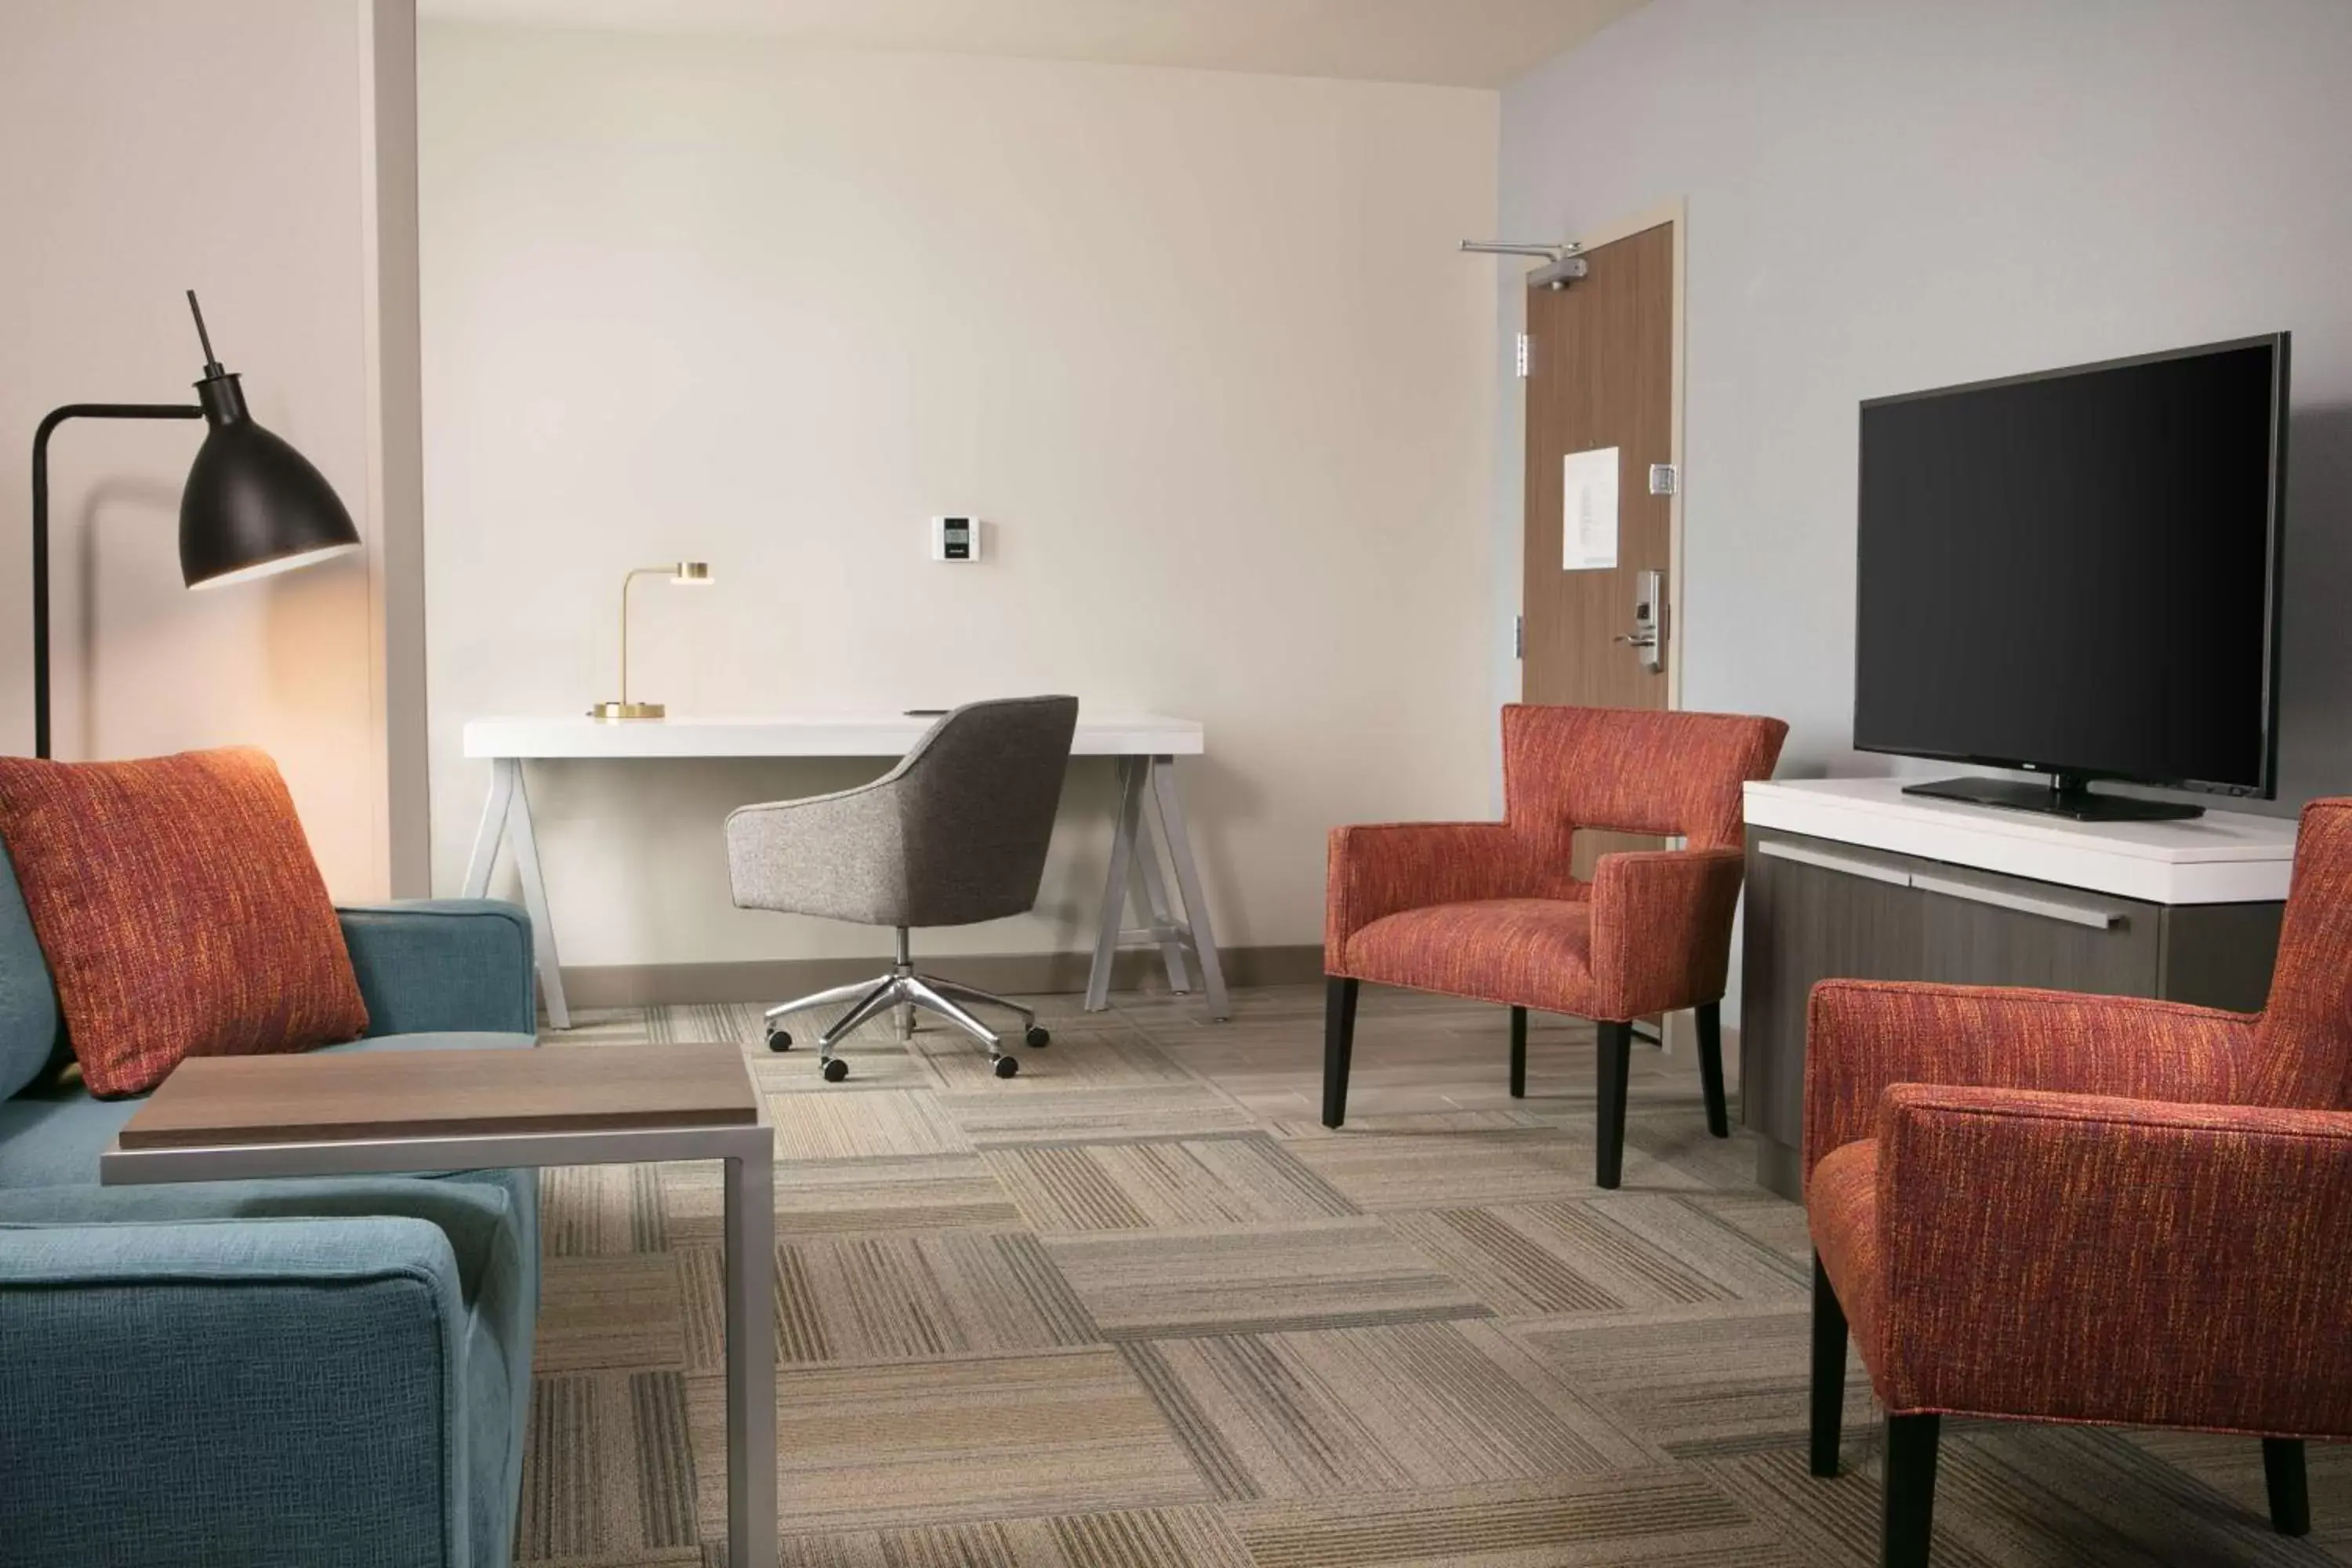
(1518, 1053)
(1614, 1046)
(1339, 1045)
(1829, 1373)
(1908, 1509)
(1710, 1067)
(2290, 1488)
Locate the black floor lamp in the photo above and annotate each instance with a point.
(252, 506)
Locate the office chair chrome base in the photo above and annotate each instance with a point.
(903, 989)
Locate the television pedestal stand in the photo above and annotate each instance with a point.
(2066, 795)
(1852, 879)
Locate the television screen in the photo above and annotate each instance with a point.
(2077, 572)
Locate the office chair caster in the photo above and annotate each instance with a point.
(835, 1070)
(1036, 1037)
(1007, 1066)
(780, 1039)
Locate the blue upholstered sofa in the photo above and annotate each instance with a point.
(328, 1372)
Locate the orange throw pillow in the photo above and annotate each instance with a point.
(180, 909)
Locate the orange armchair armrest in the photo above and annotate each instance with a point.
(2099, 1258)
(1862, 1036)
(1380, 868)
(1662, 928)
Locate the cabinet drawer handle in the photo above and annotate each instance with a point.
(2024, 904)
(1870, 870)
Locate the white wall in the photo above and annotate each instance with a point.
(155, 146)
(1905, 193)
(1197, 344)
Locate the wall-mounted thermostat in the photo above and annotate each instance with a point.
(955, 538)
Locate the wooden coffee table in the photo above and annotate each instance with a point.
(230, 1118)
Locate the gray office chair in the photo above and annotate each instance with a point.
(954, 834)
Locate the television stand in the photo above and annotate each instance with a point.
(2066, 795)
(1854, 879)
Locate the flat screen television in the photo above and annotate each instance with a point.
(2076, 574)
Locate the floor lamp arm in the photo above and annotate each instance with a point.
(55, 418)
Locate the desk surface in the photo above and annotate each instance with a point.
(212, 1102)
(875, 734)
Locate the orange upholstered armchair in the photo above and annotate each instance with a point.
(2053, 1207)
(1491, 910)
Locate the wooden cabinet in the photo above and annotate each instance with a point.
(1822, 908)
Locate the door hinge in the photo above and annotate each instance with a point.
(1519, 637)
(1664, 478)
(1521, 356)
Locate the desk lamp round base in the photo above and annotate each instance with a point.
(617, 711)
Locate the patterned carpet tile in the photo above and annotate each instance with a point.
(1770, 1221)
(861, 1125)
(1652, 1517)
(1238, 1180)
(1094, 1115)
(607, 1473)
(2039, 1497)
(1698, 1382)
(1522, 1262)
(890, 1445)
(615, 1312)
(1131, 1538)
(1083, 1055)
(2014, 1496)
(909, 1191)
(1339, 1411)
(905, 1297)
(1138, 1309)
(1381, 1171)
(600, 1211)
(2233, 1468)
(1329, 1273)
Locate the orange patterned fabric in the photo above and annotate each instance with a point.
(1863, 1035)
(1842, 1205)
(1523, 952)
(2303, 1044)
(180, 910)
(2077, 1257)
(2081, 1208)
(1491, 909)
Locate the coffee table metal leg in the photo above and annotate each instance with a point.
(752, 1356)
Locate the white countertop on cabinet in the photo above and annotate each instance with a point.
(2220, 857)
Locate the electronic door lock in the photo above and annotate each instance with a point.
(1649, 635)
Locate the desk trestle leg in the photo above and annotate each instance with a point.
(1149, 801)
(505, 817)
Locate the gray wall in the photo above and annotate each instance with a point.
(1886, 195)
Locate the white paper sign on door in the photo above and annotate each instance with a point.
(1588, 531)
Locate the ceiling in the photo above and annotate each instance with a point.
(1455, 43)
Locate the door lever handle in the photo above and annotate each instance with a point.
(1639, 639)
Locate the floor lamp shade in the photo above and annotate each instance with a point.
(253, 505)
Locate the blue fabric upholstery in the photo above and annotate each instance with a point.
(272, 1373)
(186, 1394)
(29, 1001)
(432, 966)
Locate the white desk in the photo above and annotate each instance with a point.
(1146, 745)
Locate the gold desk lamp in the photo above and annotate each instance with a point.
(677, 572)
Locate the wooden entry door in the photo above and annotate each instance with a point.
(1601, 374)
